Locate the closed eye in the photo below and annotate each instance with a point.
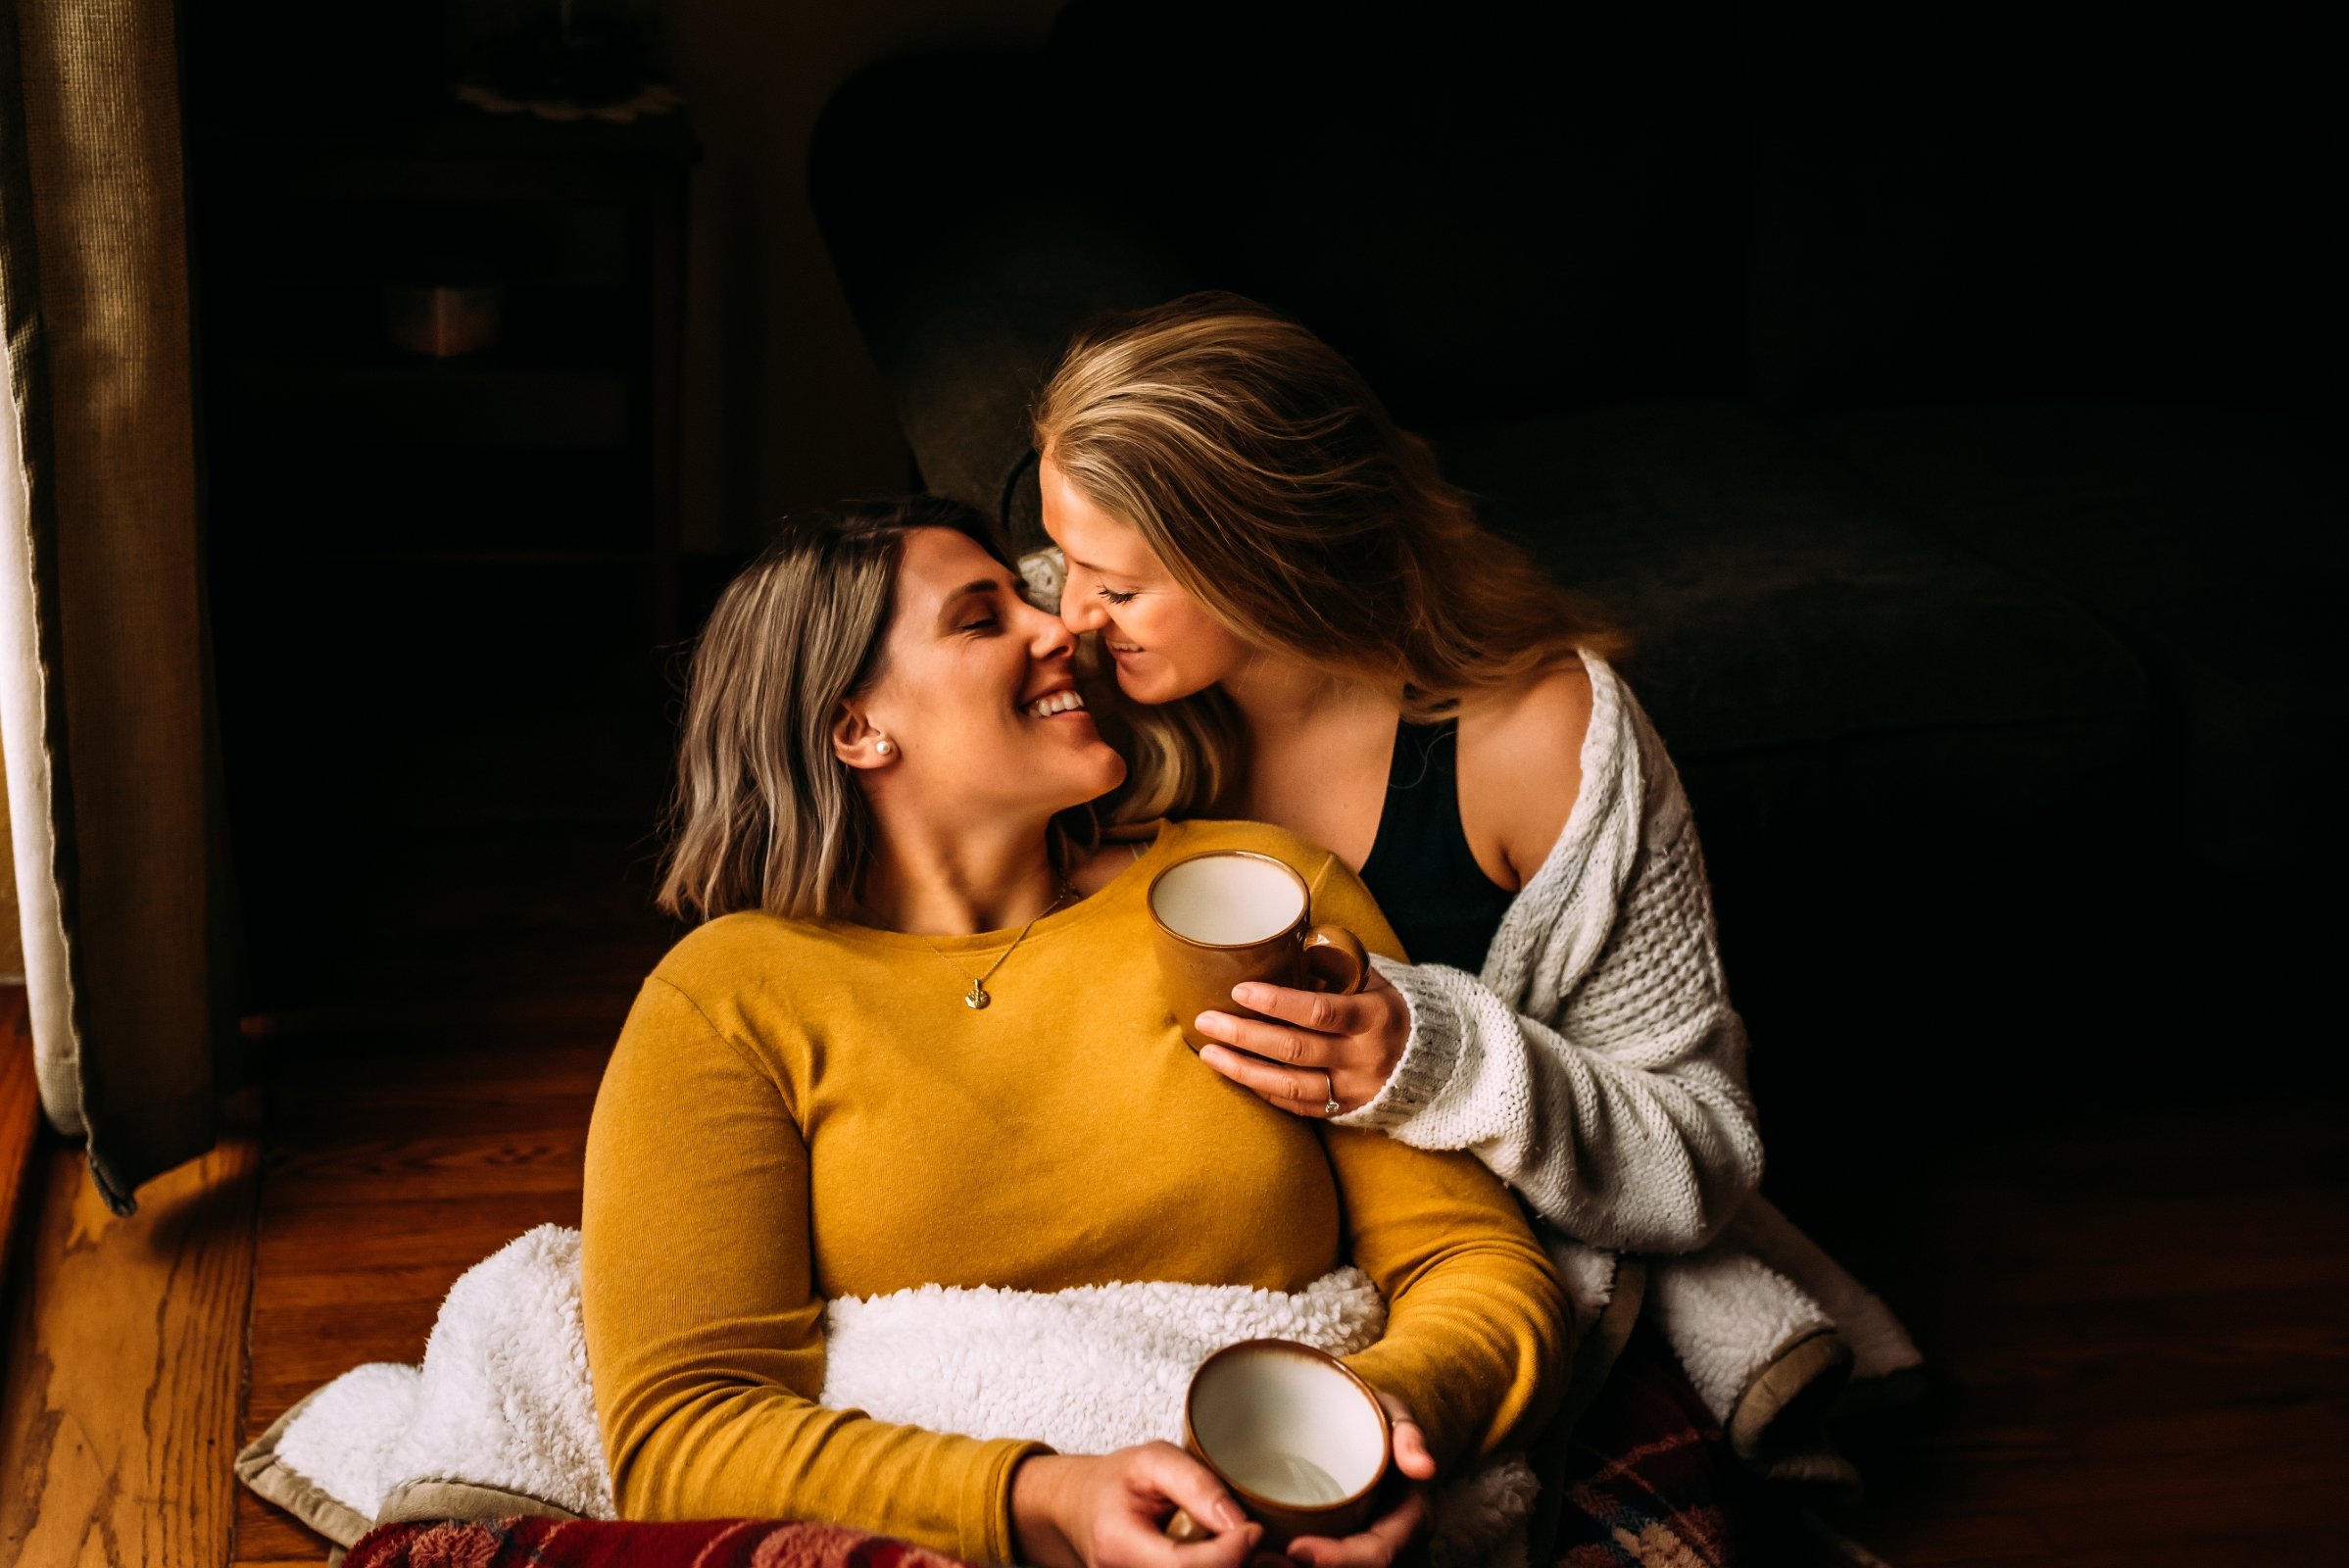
(1117, 597)
(983, 624)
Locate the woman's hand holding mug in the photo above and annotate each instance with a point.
(1072, 1511)
(1312, 1452)
(1356, 1040)
(1385, 1540)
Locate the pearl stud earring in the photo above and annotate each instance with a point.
(885, 746)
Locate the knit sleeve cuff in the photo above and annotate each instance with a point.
(1431, 1053)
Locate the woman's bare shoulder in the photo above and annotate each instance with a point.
(1549, 710)
(1520, 763)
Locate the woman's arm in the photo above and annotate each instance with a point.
(705, 1335)
(1643, 1144)
(1625, 1125)
(1477, 1339)
(1630, 1129)
(1622, 1115)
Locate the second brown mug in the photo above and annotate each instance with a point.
(1223, 917)
(1295, 1435)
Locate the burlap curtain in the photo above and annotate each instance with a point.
(105, 715)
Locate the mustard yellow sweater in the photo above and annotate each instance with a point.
(798, 1110)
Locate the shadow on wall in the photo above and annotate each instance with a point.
(782, 405)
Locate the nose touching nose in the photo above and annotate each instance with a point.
(1051, 637)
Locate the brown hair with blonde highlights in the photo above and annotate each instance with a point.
(1272, 483)
(765, 816)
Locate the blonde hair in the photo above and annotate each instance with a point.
(765, 816)
(1271, 481)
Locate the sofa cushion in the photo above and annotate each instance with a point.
(2216, 541)
(1853, 704)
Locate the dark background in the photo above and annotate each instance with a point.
(449, 621)
(432, 632)
(442, 663)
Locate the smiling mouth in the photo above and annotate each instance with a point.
(1066, 702)
(1122, 648)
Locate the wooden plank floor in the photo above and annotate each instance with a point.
(394, 1164)
(2134, 1303)
(125, 1358)
(19, 1106)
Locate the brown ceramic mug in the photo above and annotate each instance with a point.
(1223, 917)
(1296, 1436)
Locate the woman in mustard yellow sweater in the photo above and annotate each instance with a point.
(920, 1039)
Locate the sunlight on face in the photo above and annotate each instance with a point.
(1165, 643)
(966, 661)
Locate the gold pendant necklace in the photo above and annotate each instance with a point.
(978, 997)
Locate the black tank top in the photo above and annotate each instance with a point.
(1420, 868)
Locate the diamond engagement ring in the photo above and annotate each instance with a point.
(1329, 1106)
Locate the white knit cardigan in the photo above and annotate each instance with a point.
(1598, 1066)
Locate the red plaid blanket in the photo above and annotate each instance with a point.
(607, 1544)
(1649, 1482)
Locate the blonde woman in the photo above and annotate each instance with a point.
(917, 1039)
(1322, 637)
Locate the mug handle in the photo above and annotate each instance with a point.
(1347, 947)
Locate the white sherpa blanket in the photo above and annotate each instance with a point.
(503, 1397)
